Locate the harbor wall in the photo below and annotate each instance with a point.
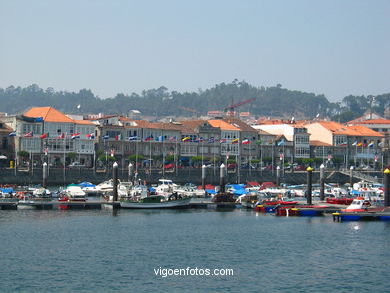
(192, 175)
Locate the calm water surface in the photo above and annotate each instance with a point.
(96, 251)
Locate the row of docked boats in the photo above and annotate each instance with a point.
(166, 194)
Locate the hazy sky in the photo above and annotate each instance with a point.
(327, 47)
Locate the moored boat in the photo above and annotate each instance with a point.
(155, 202)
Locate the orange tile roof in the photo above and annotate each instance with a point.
(223, 125)
(49, 114)
(339, 129)
(236, 122)
(364, 131)
(84, 122)
(319, 143)
(373, 121)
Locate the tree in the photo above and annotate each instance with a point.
(134, 158)
(23, 154)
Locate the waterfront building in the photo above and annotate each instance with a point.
(296, 144)
(351, 145)
(48, 135)
(7, 145)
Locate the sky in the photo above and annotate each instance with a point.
(329, 47)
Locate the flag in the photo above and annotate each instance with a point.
(133, 137)
(257, 141)
(29, 134)
(223, 140)
(61, 136)
(75, 135)
(371, 145)
(280, 143)
(270, 142)
(246, 141)
(234, 141)
(43, 136)
(343, 144)
(105, 136)
(359, 144)
(172, 138)
(13, 133)
(118, 137)
(39, 119)
(159, 138)
(90, 136)
(149, 138)
(380, 144)
(355, 143)
(211, 140)
(185, 139)
(365, 145)
(199, 139)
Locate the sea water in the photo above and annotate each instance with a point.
(129, 251)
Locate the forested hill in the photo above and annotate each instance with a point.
(270, 101)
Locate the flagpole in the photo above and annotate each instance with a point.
(176, 156)
(150, 159)
(64, 160)
(163, 164)
(136, 156)
(202, 150)
(214, 162)
(272, 158)
(16, 155)
(249, 161)
(261, 158)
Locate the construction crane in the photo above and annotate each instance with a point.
(230, 109)
(188, 110)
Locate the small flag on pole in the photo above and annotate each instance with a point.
(43, 136)
(106, 136)
(75, 135)
(29, 134)
(13, 133)
(246, 141)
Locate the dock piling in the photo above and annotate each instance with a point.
(277, 175)
(204, 177)
(44, 175)
(222, 175)
(309, 184)
(115, 181)
(322, 182)
(351, 177)
(386, 183)
(130, 174)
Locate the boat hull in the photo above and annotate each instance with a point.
(173, 204)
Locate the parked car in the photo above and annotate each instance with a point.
(300, 168)
(76, 165)
(231, 165)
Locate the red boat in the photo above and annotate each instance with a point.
(361, 205)
(273, 202)
(342, 200)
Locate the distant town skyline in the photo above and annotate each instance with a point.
(335, 48)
